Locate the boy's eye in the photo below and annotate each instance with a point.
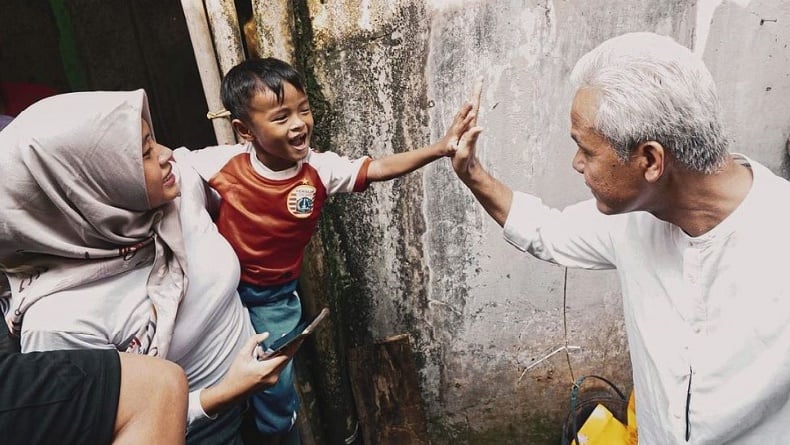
(305, 111)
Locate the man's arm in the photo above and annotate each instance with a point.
(495, 197)
(399, 164)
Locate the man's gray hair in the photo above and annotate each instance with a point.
(652, 88)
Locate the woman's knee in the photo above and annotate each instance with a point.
(171, 376)
(165, 382)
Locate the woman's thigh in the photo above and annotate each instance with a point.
(59, 397)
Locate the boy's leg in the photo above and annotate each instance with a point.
(152, 404)
(276, 311)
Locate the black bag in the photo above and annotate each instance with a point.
(584, 402)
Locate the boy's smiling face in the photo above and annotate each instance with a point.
(280, 132)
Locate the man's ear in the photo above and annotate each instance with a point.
(242, 129)
(652, 158)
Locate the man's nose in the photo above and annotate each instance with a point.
(578, 162)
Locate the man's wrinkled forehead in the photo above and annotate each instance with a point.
(584, 107)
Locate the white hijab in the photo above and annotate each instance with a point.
(74, 207)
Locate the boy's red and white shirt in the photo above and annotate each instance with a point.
(269, 216)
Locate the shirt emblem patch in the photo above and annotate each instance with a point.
(300, 200)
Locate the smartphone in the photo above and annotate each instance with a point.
(301, 330)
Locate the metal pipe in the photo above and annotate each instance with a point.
(203, 48)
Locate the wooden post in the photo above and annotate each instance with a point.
(387, 393)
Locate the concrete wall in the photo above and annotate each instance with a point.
(418, 255)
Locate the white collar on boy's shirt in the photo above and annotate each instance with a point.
(268, 173)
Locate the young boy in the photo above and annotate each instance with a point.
(273, 188)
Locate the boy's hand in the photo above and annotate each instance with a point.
(464, 158)
(464, 119)
(398, 164)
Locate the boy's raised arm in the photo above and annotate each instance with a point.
(395, 165)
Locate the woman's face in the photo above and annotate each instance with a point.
(160, 183)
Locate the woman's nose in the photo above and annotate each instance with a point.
(165, 154)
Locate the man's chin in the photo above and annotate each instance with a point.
(605, 209)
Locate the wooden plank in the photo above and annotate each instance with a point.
(387, 393)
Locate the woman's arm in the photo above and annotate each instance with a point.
(246, 376)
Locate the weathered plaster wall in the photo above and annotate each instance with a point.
(418, 255)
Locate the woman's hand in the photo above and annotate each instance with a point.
(246, 376)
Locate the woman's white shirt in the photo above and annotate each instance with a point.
(211, 324)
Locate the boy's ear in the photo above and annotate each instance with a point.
(242, 129)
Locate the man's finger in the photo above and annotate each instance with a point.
(471, 135)
(478, 91)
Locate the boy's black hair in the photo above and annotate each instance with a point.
(253, 76)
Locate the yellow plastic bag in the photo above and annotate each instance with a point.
(633, 439)
(602, 428)
(600, 416)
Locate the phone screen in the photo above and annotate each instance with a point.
(303, 329)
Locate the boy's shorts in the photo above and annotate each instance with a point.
(59, 397)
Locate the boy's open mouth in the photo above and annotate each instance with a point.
(299, 142)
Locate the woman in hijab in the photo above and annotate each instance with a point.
(106, 243)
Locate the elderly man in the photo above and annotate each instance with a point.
(695, 233)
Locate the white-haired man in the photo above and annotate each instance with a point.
(695, 233)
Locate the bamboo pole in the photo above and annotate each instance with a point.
(224, 24)
(203, 48)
